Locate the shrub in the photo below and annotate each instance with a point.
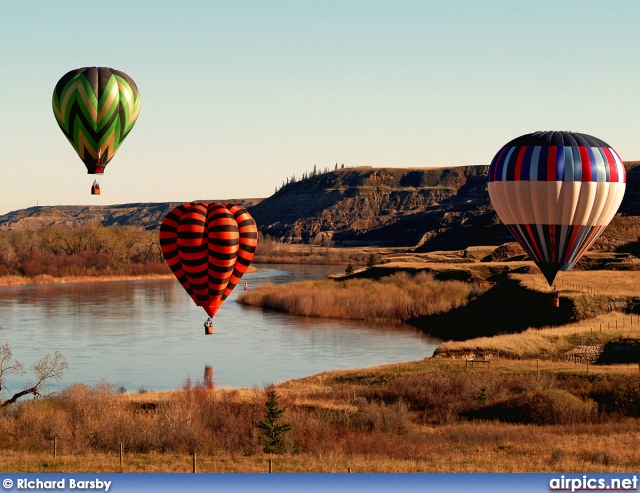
(542, 407)
(618, 394)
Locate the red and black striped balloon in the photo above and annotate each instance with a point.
(208, 247)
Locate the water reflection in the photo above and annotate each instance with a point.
(149, 334)
(208, 380)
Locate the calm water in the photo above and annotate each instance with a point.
(149, 334)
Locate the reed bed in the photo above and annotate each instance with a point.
(396, 298)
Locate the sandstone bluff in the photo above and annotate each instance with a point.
(420, 208)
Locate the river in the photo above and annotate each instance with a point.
(148, 335)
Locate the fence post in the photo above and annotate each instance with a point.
(55, 447)
(121, 456)
(537, 367)
(194, 462)
(349, 470)
(270, 465)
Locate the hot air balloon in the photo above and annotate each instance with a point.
(556, 192)
(208, 247)
(96, 108)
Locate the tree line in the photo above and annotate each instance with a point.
(88, 249)
(305, 175)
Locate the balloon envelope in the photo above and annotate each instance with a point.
(556, 192)
(96, 108)
(208, 248)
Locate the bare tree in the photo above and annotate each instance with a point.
(48, 368)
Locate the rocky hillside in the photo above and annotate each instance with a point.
(422, 208)
(148, 215)
(429, 209)
(384, 207)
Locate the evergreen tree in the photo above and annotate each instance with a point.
(483, 396)
(372, 260)
(274, 433)
(349, 269)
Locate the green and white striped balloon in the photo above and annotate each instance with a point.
(96, 108)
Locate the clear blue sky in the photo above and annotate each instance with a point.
(238, 95)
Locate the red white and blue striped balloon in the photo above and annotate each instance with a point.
(556, 192)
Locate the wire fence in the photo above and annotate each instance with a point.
(193, 459)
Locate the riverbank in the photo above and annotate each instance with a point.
(432, 415)
(500, 297)
(46, 279)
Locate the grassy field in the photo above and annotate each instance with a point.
(424, 416)
(550, 343)
(597, 282)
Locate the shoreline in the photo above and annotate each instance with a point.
(8, 281)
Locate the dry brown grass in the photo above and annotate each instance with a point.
(283, 253)
(579, 282)
(550, 342)
(468, 447)
(408, 417)
(46, 279)
(397, 298)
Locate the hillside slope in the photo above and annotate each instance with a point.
(147, 215)
(425, 209)
(429, 209)
(383, 207)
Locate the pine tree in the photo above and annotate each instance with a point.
(274, 433)
(372, 260)
(483, 396)
(349, 269)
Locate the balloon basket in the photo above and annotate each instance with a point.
(208, 330)
(555, 302)
(95, 190)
